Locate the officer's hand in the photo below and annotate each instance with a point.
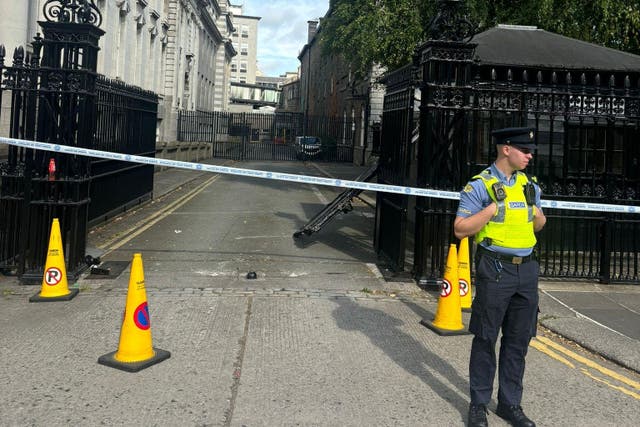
(493, 207)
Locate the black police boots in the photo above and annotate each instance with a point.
(477, 416)
(514, 415)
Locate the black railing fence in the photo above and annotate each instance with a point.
(587, 131)
(264, 136)
(126, 123)
(54, 95)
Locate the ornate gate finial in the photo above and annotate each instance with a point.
(450, 23)
(72, 11)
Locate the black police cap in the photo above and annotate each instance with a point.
(519, 137)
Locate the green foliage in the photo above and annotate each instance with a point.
(374, 31)
(612, 23)
(387, 32)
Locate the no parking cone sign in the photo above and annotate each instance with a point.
(54, 280)
(448, 319)
(135, 351)
(464, 275)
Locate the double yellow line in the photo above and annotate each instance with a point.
(148, 222)
(550, 348)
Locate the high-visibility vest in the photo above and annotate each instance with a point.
(512, 224)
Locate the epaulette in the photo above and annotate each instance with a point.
(485, 173)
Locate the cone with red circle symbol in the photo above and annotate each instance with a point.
(54, 281)
(448, 318)
(464, 275)
(135, 351)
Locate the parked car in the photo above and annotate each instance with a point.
(308, 147)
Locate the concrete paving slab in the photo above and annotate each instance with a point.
(610, 309)
(324, 362)
(264, 358)
(50, 375)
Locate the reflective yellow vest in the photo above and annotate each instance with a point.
(512, 225)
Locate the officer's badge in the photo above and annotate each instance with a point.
(467, 188)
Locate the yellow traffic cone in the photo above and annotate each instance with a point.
(135, 351)
(464, 275)
(54, 281)
(448, 319)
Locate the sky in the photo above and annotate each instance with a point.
(282, 31)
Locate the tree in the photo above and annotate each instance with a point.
(374, 31)
(612, 23)
(387, 32)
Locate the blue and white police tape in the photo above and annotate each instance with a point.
(305, 179)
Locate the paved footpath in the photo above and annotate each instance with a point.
(317, 340)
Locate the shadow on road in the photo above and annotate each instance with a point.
(350, 233)
(384, 331)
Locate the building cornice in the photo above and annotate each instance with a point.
(209, 23)
(216, 7)
(257, 18)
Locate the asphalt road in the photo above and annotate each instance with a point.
(319, 338)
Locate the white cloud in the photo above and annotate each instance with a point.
(282, 31)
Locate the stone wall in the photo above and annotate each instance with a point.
(183, 151)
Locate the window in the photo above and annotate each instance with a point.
(244, 49)
(245, 31)
(597, 150)
(243, 67)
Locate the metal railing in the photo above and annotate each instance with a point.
(126, 123)
(262, 136)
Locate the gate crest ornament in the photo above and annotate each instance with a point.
(450, 22)
(72, 11)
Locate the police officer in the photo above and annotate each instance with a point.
(501, 207)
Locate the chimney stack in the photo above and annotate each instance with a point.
(313, 28)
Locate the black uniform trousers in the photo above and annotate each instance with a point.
(506, 298)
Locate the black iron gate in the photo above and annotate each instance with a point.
(588, 126)
(396, 152)
(262, 136)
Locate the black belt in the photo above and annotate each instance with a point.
(511, 259)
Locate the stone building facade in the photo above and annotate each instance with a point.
(179, 49)
(198, 54)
